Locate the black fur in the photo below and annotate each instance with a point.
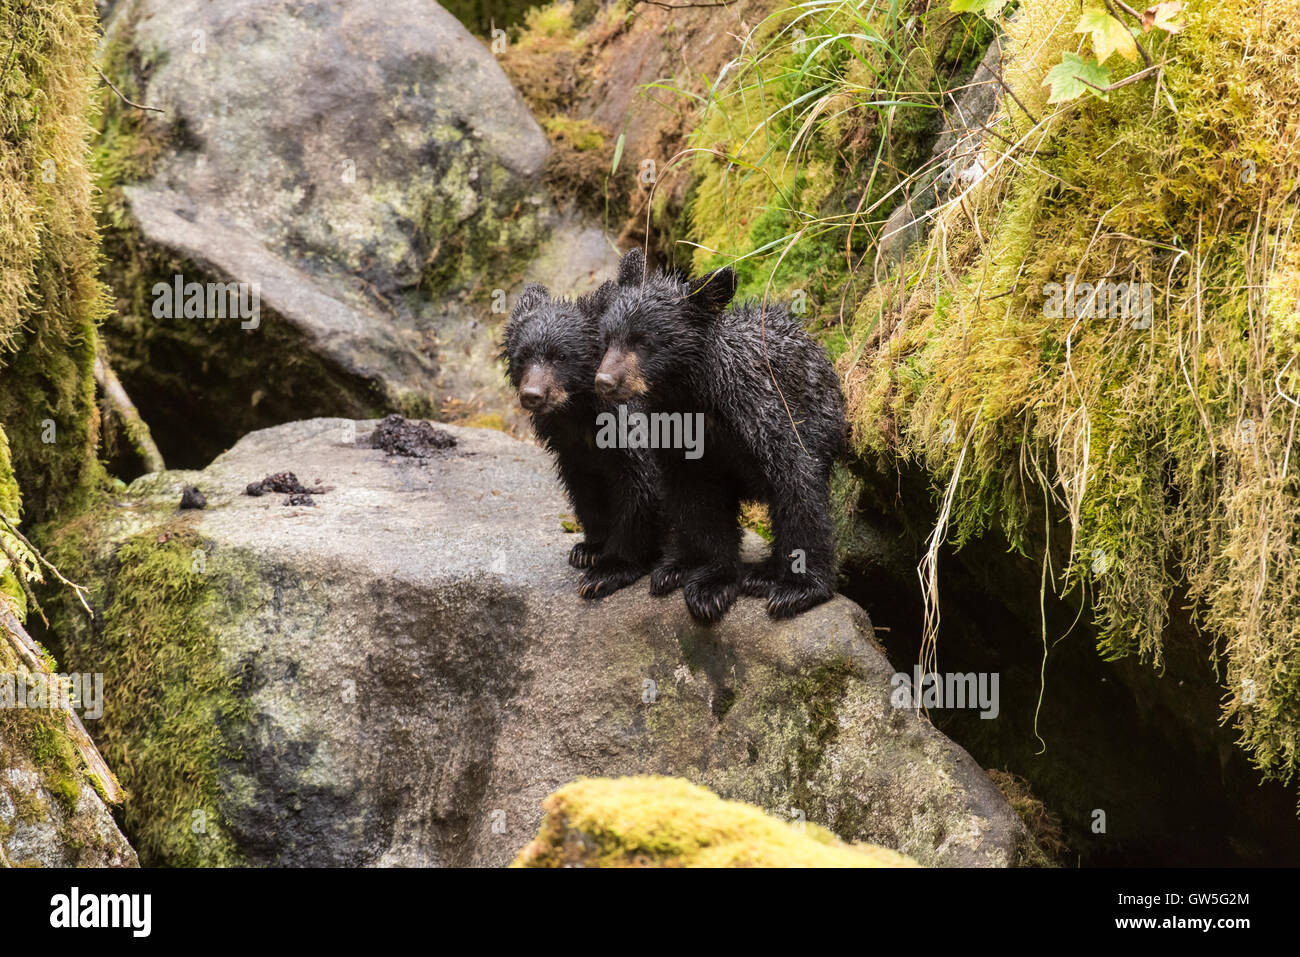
(614, 492)
(743, 369)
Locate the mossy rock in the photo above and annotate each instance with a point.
(52, 814)
(378, 235)
(669, 822)
(330, 685)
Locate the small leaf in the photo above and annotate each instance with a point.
(990, 8)
(1066, 78)
(1162, 16)
(618, 154)
(1108, 35)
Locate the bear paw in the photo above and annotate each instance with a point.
(787, 598)
(605, 578)
(709, 596)
(584, 554)
(667, 578)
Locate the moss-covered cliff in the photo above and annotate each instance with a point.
(1164, 438)
(50, 302)
(50, 296)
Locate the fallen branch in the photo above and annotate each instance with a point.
(137, 431)
(29, 654)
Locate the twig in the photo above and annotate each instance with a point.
(1006, 86)
(1139, 75)
(122, 96)
(137, 430)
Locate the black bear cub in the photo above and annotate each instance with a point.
(773, 424)
(551, 349)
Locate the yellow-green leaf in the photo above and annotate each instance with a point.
(989, 8)
(1108, 35)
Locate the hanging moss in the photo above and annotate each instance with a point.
(1167, 445)
(50, 296)
(823, 120)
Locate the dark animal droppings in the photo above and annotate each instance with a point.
(193, 498)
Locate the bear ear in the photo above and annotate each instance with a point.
(712, 292)
(534, 294)
(598, 300)
(631, 268)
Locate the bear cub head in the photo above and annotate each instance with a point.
(654, 325)
(550, 347)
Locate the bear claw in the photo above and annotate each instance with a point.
(788, 599)
(600, 581)
(708, 600)
(666, 578)
(584, 554)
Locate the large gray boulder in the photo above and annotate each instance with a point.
(416, 672)
(368, 165)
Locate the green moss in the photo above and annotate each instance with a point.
(803, 151)
(541, 58)
(50, 296)
(1167, 448)
(580, 135)
(668, 822)
(172, 699)
(1045, 846)
(482, 16)
(29, 808)
(819, 693)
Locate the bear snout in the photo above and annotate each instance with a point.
(619, 376)
(537, 389)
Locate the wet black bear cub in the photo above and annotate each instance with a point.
(773, 424)
(551, 349)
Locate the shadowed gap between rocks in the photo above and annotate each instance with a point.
(1144, 747)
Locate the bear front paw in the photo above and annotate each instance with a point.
(584, 554)
(709, 596)
(787, 598)
(667, 578)
(606, 578)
